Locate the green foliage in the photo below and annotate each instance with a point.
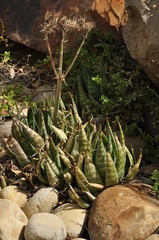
(5, 57)
(97, 79)
(112, 83)
(7, 100)
(106, 80)
(42, 63)
(155, 179)
(72, 154)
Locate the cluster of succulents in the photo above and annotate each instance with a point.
(72, 155)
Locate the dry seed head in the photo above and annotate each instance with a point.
(86, 25)
(50, 24)
(69, 24)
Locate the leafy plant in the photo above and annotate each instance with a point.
(105, 79)
(109, 81)
(72, 154)
(155, 179)
(6, 57)
(7, 100)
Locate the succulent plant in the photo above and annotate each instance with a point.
(73, 154)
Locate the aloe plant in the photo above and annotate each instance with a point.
(73, 154)
(66, 152)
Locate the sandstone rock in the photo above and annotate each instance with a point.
(153, 237)
(43, 200)
(22, 19)
(14, 194)
(73, 217)
(45, 226)
(142, 36)
(124, 212)
(12, 220)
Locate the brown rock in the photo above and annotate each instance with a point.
(22, 19)
(108, 14)
(123, 212)
(141, 35)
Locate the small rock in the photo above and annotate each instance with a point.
(5, 128)
(12, 220)
(43, 200)
(42, 93)
(73, 217)
(153, 237)
(124, 212)
(148, 169)
(145, 173)
(45, 226)
(79, 239)
(14, 194)
(154, 6)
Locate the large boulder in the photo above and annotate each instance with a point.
(124, 212)
(141, 35)
(22, 19)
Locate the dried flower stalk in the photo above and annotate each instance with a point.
(51, 25)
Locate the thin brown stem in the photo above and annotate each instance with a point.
(61, 55)
(77, 53)
(51, 58)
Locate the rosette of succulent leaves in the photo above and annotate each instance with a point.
(72, 155)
